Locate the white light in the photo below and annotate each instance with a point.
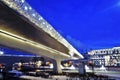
(33, 14)
(102, 68)
(22, 1)
(61, 67)
(47, 26)
(26, 8)
(72, 67)
(86, 67)
(40, 18)
(1, 52)
(38, 63)
(43, 23)
(30, 8)
(51, 66)
(50, 28)
(32, 43)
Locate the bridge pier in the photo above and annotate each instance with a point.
(57, 66)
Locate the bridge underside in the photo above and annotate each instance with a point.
(18, 32)
(27, 36)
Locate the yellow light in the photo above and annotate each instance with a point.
(35, 44)
(38, 63)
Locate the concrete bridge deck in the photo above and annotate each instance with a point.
(21, 27)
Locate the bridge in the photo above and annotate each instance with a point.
(22, 28)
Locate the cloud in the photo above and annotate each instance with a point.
(76, 43)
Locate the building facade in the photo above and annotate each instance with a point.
(106, 57)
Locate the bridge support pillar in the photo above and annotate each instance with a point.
(57, 66)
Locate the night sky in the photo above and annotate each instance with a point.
(85, 24)
(11, 51)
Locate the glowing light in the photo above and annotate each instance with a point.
(102, 68)
(31, 18)
(66, 64)
(30, 8)
(22, 1)
(19, 64)
(51, 66)
(43, 23)
(1, 52)
(47, 26)
(40, 18)
(33, 14)
(86, 67)
(26, 8)
(38, 63)
(32, 43)
(72, 67)
(61, 67)
(50, 28)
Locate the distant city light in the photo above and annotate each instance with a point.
(1, 52)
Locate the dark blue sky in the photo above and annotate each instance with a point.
(84, 23)
(12, 51)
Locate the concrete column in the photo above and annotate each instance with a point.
(57, 68)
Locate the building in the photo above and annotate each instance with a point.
(106, 57)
